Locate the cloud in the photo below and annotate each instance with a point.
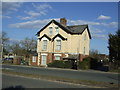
(41, 6)
(91, 23)
(35, 14)
(96, 30)
(100, 36)
(39, 10)
(2, 16)
(80, 22)
(37, 23)
(102, 17)
(9, 7)
(30, 24)
(24, 18)
(111, 24)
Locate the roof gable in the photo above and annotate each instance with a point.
(75, 29)
(46, 37)
(58, 35)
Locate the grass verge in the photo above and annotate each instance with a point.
(61, 79)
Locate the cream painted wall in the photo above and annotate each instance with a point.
(74, 43)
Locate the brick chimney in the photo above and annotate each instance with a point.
(63, 21)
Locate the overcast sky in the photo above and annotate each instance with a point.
(25, 19)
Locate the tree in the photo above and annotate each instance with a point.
(114, 50)
(94, 53)
(16, 48)
(4, 41)
(28, 45)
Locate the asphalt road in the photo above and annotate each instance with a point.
(73, 74)
(10, 81)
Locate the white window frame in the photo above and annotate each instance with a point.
(58, 46)
(44, 45)
(57, 58)
(50, 30)
(34, 59)
(56, 30)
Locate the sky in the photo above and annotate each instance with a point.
(25, 19)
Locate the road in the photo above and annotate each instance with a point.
(24, 82)
(72, 74)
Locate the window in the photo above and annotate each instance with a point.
(44, 44)
(58, 44)
(44, 58)
(84, 50)
(34, 59)
(50, 30)
(57, 57)
(56, 30)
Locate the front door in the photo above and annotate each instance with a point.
(43, 62)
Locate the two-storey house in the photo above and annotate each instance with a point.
(57, 40)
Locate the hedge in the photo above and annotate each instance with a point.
(60, 64)
(87, 63)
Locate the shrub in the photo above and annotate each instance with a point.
(56, 63)
(67, 64)
(85, 64)
(60, 64)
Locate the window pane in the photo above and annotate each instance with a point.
(56, 30)
(34, 59)
(58, 44)
(50, 30)
(44, 44)
(57, 57)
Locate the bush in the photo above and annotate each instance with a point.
(89, 63)
(85, 64)
(60, 64)
(24, 62)
(94, 63)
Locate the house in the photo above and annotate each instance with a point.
(57, 40)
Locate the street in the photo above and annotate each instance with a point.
(24, 82)
(72, 74)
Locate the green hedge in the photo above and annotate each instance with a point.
(87, 63)
(60, 64)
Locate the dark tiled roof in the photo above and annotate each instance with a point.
(75, 29)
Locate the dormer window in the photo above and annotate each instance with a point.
(56, 30)
(50, 30)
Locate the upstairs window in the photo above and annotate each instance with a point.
(50, 30)
(44, 44)
(58, 44)
(56, 30)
